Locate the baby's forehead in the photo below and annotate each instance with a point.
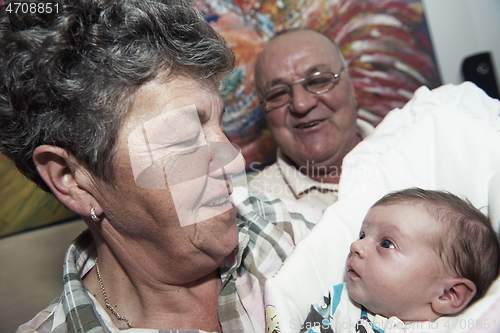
(412, 217)
(410, 223)
(419, 207)
(416, 206)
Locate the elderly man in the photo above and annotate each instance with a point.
(309, 105)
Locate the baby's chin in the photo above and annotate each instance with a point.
(372, 309)
(356, 302)
(388, 314)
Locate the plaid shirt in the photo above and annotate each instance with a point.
(268, 231)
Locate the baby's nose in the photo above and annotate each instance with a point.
(358, 248)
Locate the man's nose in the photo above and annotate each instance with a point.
(302, 101)
(358, 248)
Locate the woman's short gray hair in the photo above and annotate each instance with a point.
(67, 77)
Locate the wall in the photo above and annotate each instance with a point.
(460, 28)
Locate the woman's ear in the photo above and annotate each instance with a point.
(457, 294)
(63, 175)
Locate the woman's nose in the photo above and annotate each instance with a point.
(358, 248)
(226, 159)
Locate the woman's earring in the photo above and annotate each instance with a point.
(92, 215)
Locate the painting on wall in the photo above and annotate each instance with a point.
(386, 44)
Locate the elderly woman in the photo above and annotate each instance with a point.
(114, 108)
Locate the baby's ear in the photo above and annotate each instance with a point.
(457, 294)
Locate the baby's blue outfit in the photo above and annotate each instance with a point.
(339, 314)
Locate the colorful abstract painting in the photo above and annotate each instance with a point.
(385, 42)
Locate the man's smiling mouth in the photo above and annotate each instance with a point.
(310, 124)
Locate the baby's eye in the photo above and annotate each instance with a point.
(387, 244)
(362, 235)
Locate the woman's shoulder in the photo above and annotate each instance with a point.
(42, 322)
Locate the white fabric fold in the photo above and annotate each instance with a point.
(444, 139)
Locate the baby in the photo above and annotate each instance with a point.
(420, 255)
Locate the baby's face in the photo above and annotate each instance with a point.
(392, 269)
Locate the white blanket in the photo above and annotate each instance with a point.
(444, 139)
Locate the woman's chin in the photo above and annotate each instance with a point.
(218, 235)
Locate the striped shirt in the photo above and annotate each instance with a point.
(268, 228)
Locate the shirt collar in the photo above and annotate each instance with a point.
(301, 184)
(233, 261)
(297, 181)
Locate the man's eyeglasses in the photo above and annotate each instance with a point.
(316, 83)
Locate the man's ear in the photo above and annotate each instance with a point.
(67, 179)
(457, 294)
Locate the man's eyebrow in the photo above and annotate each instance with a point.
(318, 68)
(309, 71)
(274, 82)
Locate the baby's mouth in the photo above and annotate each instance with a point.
(351, 272)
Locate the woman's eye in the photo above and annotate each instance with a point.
(362, 235)
(387, 244)
(188, 143)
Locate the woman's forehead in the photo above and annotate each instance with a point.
(156, 98)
